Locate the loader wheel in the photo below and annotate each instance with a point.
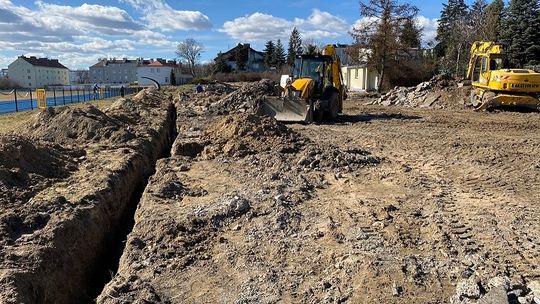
(474, 99)
(334, 106)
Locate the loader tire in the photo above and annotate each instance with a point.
(334, 106)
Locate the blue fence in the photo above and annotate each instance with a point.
(25, 99)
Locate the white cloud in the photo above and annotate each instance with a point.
(80, 32)
(260, 27)
(257, 26)
(429, 28)
(159, 15)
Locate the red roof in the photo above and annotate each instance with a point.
(160, 63)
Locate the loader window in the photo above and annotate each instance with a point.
(484, 64)
(309, 67)
(476, 71)
(496, 63)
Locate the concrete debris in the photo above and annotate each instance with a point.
(439, 92)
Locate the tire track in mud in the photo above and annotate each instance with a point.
(471, 207)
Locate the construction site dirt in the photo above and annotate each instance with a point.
(420, 203)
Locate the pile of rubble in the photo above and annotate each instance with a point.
(246, 98)
(497, 290)
(441, 91)
(221, 99)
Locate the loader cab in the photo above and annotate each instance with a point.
(316, 67)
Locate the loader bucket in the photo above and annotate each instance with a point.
(286, 109)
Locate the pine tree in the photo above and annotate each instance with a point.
(477, 21)
(269, 50)
(521, 32)
(295, 46)
(494, 15)
(220, 65)
(409, 36)
(241, 57)
(311, 49)
(451, 14)
(279, 54)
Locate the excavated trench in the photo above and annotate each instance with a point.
(107, 265)
(75, 254)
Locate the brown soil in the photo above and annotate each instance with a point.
(63, 206)
(388, 205)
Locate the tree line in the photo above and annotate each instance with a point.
(516, 26)
(388, 37)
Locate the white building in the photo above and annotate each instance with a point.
(3, 72)
(32, 72)
(115, 70)
(360, 78)
(160, 71)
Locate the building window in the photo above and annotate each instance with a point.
(166, 79)
(28, 71)
(355, 73)
(29, 77)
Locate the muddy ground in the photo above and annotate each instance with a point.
(387, 205)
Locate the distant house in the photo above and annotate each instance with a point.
(160, 71)
(255, 59)
(115, 70)
(360, 78)
(3, 72)
(33, 72)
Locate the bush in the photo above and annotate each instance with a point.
(7, 83)
(409, 74)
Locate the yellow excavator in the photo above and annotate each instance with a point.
(313, 93)
(495, 84)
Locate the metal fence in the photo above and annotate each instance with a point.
(18, 100)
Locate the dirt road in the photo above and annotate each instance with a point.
(389, 205)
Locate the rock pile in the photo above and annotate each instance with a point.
(439, 92)
(246, 98)
(497, 290)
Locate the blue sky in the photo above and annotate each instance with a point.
(80, 32)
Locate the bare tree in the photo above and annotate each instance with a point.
(189, 52)
(380, 30)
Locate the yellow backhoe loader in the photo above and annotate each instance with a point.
(495, 84)
(314, 91)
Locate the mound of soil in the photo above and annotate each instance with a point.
(72, 125)
(27, 167)
(243, 134)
